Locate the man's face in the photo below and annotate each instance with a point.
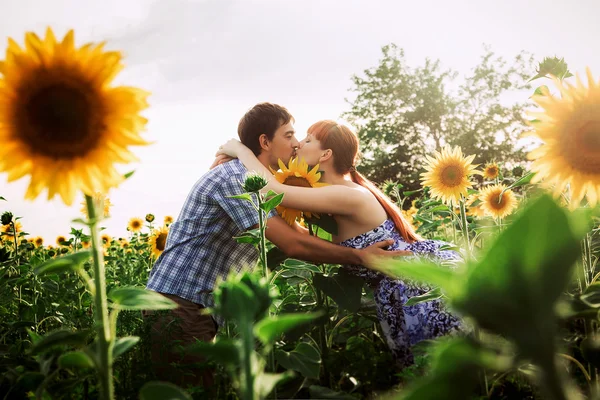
(284, 144)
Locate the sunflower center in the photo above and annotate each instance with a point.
(296, 181)
(582, 150)
(452, 176)
(161, 241)
(496, 202)
(58, 121)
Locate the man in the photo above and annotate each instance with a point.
(200, 247)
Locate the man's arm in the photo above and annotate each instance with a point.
(309, 248)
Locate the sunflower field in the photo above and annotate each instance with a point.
(71, 323)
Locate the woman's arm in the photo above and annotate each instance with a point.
(333, 199)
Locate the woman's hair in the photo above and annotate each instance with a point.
(344, 144)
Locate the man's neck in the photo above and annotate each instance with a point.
(264, 159)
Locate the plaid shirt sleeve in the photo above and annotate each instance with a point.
(240, 211)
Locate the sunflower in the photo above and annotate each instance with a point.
(491, 171)
(10, 232)
(495, 205)
(158, 240)
(86, 244)
(38, 241)
(447, 174)
(135, 224)
(168, 220)
(106, 240)
(570, 129)
(60, 240)
(297, 174)
(62, 122)
(101, 202)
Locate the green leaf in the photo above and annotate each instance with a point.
(272, 203)
(343, 287)
(163, 391)
(271, 193)
(70, 262)
(552, 66)
(223, 351)
(541, 91)
(137, 298)
(60, 337)
(591, 295)
(325, 221)
(433, 294)
(321, 392)
(513, 288)
(123, 344)
(268, 329)
(76, 360)
(265, 382)
(524, 180)
(251, 236)
(292, 263)
(129, 174)
(411, 192)
(304, 359)
(243, 196)
(2, 198)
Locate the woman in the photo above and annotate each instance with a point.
(364, 215)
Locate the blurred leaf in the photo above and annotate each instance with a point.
(411, 192)
(243, 196)
(524, 180)
(67, 263)
(163, 391)
(60, 337)
(251, 236)
(129, 174)
(275, 257)
(224, 351)
(320, 392)
(265, 382)
(272, 203)
(75, 359)
(343, 287)
(123, 344)
(138, 298)
(552, 66)
(268, 329)
(433, 294)
(591, 295)
(304, 359)
(292, 263)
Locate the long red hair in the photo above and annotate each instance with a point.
(344, 144)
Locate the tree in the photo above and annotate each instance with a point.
(404, 113)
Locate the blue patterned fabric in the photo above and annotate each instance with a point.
(405, 326)
(199, 246)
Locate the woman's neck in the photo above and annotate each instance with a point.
(331, 177)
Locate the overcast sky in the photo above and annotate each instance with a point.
(207, 62)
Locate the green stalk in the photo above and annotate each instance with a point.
(464, 224)
(105, 340)
(248, 346)
(262, 246)
(14, 230)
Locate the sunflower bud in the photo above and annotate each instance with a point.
(518, 171)
(149, 217)
(6, 218)
(254, 182)
(51, 252)
(245, 296)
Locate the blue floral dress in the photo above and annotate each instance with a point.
(405, 326)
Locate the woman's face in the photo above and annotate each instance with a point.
(310, 149)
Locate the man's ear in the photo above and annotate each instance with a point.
(326, 155)
(264, 142)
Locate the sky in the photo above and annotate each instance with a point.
(207, 62)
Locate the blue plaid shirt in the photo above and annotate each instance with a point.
(199, 246)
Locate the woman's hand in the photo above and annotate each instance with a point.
(232, 148)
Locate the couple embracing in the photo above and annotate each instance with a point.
(200, 246)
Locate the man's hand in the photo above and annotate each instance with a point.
(220, 159)
(375, 253)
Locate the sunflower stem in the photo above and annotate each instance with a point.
(105, 340)
(14, 231)
(464, 224)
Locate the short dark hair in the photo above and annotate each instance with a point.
(263, 118)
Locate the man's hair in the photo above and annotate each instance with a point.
(263, 118)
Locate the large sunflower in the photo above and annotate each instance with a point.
(158, 240)
(60, 120)
(101, 202)
(297, 174)
(447, 174)
(495, 205)
(570, 129)
(135, 224)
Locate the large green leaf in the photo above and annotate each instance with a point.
(343, 287)
(272, 203)
(67, 263)
(224, 351)
(304, 359)
(138, 298)
(75, 359)
(268, 329)
(60, 337)
(163, 391)
(294, 264)
(123, 344)
(513, 289)
(265, 382)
